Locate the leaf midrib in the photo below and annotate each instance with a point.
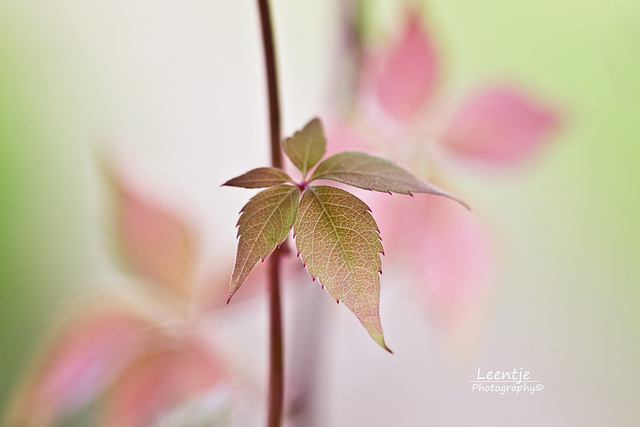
(372, 174)
(351, 269)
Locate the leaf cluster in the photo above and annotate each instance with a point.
(335, 233)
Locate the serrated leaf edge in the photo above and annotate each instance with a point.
(233, 290)
(378, 338)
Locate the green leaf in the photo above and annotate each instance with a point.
(259, 178)
(339, 242)
(373, 173)
(306, 147)
(263, 225)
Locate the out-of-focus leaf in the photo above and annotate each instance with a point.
(373, 173)
(156, 242)
(339, 242)
(80, 360)
(409, 72)
(259, 178)
(263, 225)
(498, 126)
(455, 259)
(158, 382)
(306, 147)
(342, 136)
(447, 247)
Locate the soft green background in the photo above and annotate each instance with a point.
(568, 300)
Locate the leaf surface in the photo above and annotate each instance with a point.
(76, 364)
(259, 178)
(156, 242)
(339, 242)
(263, 225)
(409, 72)
(306, 147)
(158, 382)
(373, 173)
(499, 126)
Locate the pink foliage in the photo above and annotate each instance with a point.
(453, 258)
(87, 354)
(145, 366)
(157, 243)
(158, 382)
(408, 73)
(498, 126)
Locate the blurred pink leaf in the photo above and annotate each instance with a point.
(157, 243)
(408, 74)
(454, 258)
(81, 360)
(499, 126)
(159, 382)
(447, 247)
(342, 137)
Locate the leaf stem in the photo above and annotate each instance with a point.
(276, 363)
(272, 82)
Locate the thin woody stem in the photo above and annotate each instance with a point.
(272, 83)
(276, 364)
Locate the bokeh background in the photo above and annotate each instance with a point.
(177, 86)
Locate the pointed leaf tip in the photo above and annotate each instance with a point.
(259, 178)
(340, 246)
(264, 224)
(369, 172)
(379, 339)
(307, 146)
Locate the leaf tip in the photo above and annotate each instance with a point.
(379, 339)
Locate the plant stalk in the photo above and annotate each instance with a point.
(276, 363)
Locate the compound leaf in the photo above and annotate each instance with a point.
(263, 225)
(373, 173)
(339, 242)
(259, 178)
(306, 147)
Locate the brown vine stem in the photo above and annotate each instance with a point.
(276, 363)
